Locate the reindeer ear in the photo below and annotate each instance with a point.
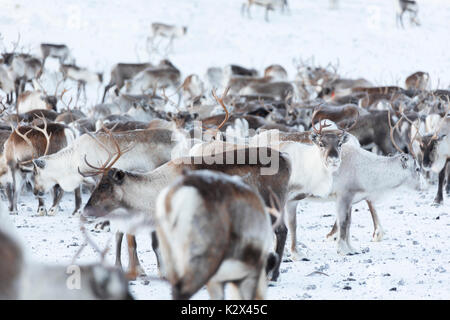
(40, 163)
(116, 175)
(404, 160)
(345, 137)
(314, 137)
(441, 137)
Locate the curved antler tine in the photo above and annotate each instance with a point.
(87, 175)
(44, 132)
(97, 169)
(220, 101)
(391, 131)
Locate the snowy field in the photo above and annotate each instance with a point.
(413, 259)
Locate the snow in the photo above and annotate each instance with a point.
(414, 256)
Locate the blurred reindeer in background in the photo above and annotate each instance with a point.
(412, 8)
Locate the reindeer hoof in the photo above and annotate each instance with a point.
(53, 211)
(14, 213)
(41, 211)
(103, 226)
(345, 249)
(331, 236)
(298, 256)
(437, 203)
(131, 275)
(377, 235)
(140, 272)
(76, 213)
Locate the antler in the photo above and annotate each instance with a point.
(88, 240)
(44, 132)
(321, 125)
(391, 131)
(435, 135)
(220, 101)
(108, 164)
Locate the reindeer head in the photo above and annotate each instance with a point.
(430, 147)
(108, 195)
(329, 144)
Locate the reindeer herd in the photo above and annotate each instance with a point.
(214, 181)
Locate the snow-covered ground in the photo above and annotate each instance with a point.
(414, 256)
(411, 262)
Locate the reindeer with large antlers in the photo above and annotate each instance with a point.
(25, 144)
(70, 167)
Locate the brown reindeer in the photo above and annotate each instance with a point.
(25, 144)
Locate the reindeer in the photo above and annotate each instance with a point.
(192, 89)
(121, 72)
(366, 176)
(315, 156)
(162, 77)
(417, 81)
(23, 68)
(276, 72)
(38, 100)
(235, 239)
(25, 144)
(435, 149)
(411, 7)
(123, 192)
(59, 51)
(166, 31)
(142, 150)
(281, 90)
(21, 278)
(82, 76)
(6, 84)
(267, 4)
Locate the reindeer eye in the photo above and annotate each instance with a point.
(321, 144)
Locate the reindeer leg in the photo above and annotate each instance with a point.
(159, 262)
(57, 195)
(243, 7)
(439, 196)
(448, 180)
(377, 229)
(266, 16)
(108, 86)
(332, 234)
(215, 290)
(247, 286)
(281, 235)
(77, 200)
(119, 237)
(401, 19)
(344, 207)
(41, 211)
(10, 195)
(291, 208)
(132, 267)
(84, 91)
